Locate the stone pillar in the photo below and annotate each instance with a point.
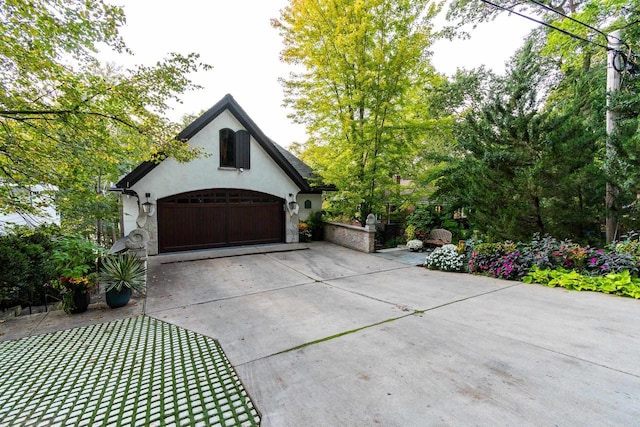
(291, 219)
(371, 223)
(137, 242)
(291, 229)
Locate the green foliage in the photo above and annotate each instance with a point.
(13, 277)
(615, 283)
(26, 266)
(630, 245)
(75, 257)
(123, 271)
(362, 63)
(410, 232)
(422, 220)
(514, 153)
(315, 221)
(427, 217)
(71, 122)
(562, 189)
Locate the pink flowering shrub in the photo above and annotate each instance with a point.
(512, 261)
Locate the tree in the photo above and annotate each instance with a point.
(525, 164)
(361, 63)
(66, 119)
(576, 37)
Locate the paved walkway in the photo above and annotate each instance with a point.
(403, 255)
(134, 371)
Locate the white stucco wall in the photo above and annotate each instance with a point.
(171, 177)
(316, 205)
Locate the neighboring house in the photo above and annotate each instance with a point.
(46, 213)
(249, 190)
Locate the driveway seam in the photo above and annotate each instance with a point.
(232, 297)
(355, 330)
(550, 350)
(417, 309)
(356, 274)
(329, 338)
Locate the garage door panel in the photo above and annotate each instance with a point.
(255, 223)
(219, 217)
(191, 227)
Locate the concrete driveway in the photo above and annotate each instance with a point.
(326, 336)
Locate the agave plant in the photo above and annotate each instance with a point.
(123, 271)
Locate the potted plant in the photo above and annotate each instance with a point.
(304, 232)
(76, 293)
(415, 245)
(75, 262)
(314, 222)
(121, 274)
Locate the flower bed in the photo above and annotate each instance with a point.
(550, 262)
(445, 258)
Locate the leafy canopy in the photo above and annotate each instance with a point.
(359, 65)
(68, 120)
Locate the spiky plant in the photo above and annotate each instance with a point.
(123, 271)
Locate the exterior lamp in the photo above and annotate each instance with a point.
(292, 205)
(147, 207)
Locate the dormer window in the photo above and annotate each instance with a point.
(235, 149)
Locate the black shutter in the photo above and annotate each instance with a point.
(243, 149)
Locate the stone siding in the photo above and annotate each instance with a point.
(358, 238)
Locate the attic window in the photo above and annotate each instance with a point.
(235, 149)
(227, 148)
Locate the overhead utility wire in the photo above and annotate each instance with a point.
(575, 36)
(551, 9)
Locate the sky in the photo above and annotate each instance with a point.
(236, 38)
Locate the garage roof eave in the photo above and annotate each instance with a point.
(135, 175)
(295, 169)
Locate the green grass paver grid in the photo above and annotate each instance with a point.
(137, 371)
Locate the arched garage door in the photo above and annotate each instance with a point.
(217, 218)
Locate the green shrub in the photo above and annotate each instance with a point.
(614, 283)
(14, 284)
(26, 266)
(122, 271)
(75, 256)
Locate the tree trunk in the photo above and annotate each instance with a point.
(539, 223)
(612, 212)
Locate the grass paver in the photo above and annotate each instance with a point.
(134, 371)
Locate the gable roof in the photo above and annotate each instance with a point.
(295, 169)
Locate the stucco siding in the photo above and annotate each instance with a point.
(171, 177)
(315, 201)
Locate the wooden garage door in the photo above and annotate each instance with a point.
(217, 218)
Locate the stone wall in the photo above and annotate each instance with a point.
(359, 238)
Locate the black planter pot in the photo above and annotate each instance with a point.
(317, 234)
(81, 301)
(116, 299)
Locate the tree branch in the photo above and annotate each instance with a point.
(14, 114)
